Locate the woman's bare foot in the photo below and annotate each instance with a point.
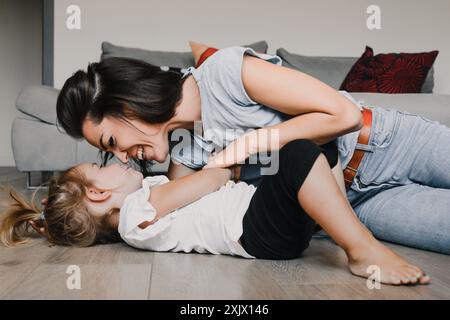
(393, 268)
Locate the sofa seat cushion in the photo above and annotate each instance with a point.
(432, 106)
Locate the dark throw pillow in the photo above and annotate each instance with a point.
(389, 73)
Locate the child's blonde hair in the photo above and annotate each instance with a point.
(67, 220)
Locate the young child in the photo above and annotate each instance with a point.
(206, 212)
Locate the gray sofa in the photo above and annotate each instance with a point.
(39, 146)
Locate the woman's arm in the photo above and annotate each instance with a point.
(321, 113)
(178, 193)
(255, 141)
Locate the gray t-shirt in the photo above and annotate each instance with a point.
(226, 106)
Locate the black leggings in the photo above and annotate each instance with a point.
(275, 226)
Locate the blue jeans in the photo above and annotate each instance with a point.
(401, 191)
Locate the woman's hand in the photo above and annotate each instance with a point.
(239, 150)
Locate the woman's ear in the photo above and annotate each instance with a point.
(96, 195)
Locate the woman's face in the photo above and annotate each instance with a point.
(128, 138)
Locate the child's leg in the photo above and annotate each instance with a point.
(323, 201)
(275, 226)
(281, 217)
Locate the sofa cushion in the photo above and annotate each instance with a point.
(38, 102)
(333, 70)
(389, 72)
(162, 58)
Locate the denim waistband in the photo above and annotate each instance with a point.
(384, 121)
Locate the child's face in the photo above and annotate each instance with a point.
(113, 177)
(111, 185)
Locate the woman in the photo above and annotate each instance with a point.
(401, 190)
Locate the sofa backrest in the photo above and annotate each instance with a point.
(333, 70)
(162, 58)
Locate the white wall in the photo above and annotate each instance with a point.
(310, 27)
(318, 27)
(20, 61)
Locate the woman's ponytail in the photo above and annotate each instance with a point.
(14, 226)
(75, 100)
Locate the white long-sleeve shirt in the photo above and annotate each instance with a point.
(211, 224)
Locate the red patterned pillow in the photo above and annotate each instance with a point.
(389, 73)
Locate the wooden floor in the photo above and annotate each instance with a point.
(38, 271)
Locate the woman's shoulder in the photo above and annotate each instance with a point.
(221, 73)
(227, 63)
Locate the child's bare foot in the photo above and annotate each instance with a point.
(393, 268)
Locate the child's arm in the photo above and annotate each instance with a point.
(175, 194)
(177, 171)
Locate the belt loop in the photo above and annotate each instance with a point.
(365, 147)
(362, 146)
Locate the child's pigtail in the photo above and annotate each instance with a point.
(14, 226)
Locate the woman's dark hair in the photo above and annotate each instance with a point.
(120, 88)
